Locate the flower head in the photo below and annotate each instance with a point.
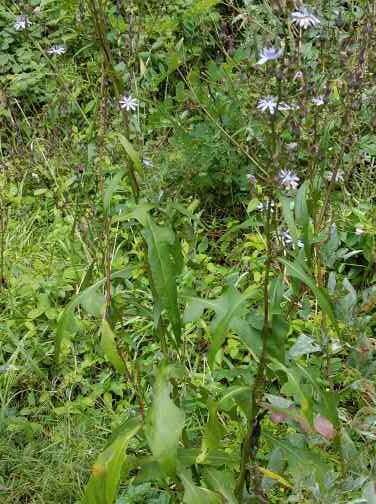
(288, 179)
(268, 104)
(269, 54)
(304, 18)
(128, 103)
(56, 50)
(318, 101)
(21, 23)
(359, 231)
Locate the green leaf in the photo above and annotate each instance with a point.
(369, 492)
(131, 152)
(301, 460)
(200, 6)
(289, 216)
(228, 307)
(276, 292)
(213, 433)
(297, 271)
(277, 338)
(164, 423)
(221, 482)
(301, 208)
(197, 495)
(107, 471)
(93, 302)
(139, 212)
(302, 217)
(294, 383)
(188, 456)
(304, 345)
(66, 319)
(250, 336)
(111, 187)
(165, 261)
(109, 347)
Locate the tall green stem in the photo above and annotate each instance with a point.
(249, 447)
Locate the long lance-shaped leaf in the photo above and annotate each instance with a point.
(165, 261)
(68, 312)
(131, 152)
(297, 271)
(109, 347)
(164, 423)
(106, 472)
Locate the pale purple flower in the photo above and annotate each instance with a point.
(304, 18)
(318, 101)
(128, 103)
(269, 54)
(57, 50)
(21, 23)
(268, 104)
(288, 179)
